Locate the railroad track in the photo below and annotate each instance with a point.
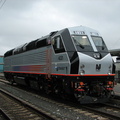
(117, 97)
(64, 110)
(17, 109)
(115, 101)
(106, 110)
(3, 116)
(2, 76)
(110, 110)
(84, 110)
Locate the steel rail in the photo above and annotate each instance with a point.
(32, 107)
(110, 116)
(4, 114)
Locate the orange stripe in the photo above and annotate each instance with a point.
(64, 74)
(99, 75)
(85, 74)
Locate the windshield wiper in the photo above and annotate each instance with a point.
(81, 46)
(77, 43)
(103, 47)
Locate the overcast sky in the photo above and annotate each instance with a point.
(22, 21)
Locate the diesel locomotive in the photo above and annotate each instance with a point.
(70, 62)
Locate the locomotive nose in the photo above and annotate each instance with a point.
(94, 65)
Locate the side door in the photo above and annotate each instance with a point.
(60, 61)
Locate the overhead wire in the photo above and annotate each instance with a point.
(2, 3)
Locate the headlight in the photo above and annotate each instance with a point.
(97, 55)
(109, 72)
(82, 72)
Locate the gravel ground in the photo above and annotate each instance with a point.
(62, 111)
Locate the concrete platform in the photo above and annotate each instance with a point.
(117, 89)
(1, 74)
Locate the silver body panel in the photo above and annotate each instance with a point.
(90, 64)
(28, 59)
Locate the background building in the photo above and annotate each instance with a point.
(116, 57)
(1, 63)
(117, 64)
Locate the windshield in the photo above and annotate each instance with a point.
(99, 43)
(82, 43)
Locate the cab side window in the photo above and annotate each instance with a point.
(58, 45)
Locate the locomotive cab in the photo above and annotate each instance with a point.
(88, 68)
(96, 67)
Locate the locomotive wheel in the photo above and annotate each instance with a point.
(41, 86)
(11, 81)
(112, 94)
(46, 88)
(57, 89)
(79, 95)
